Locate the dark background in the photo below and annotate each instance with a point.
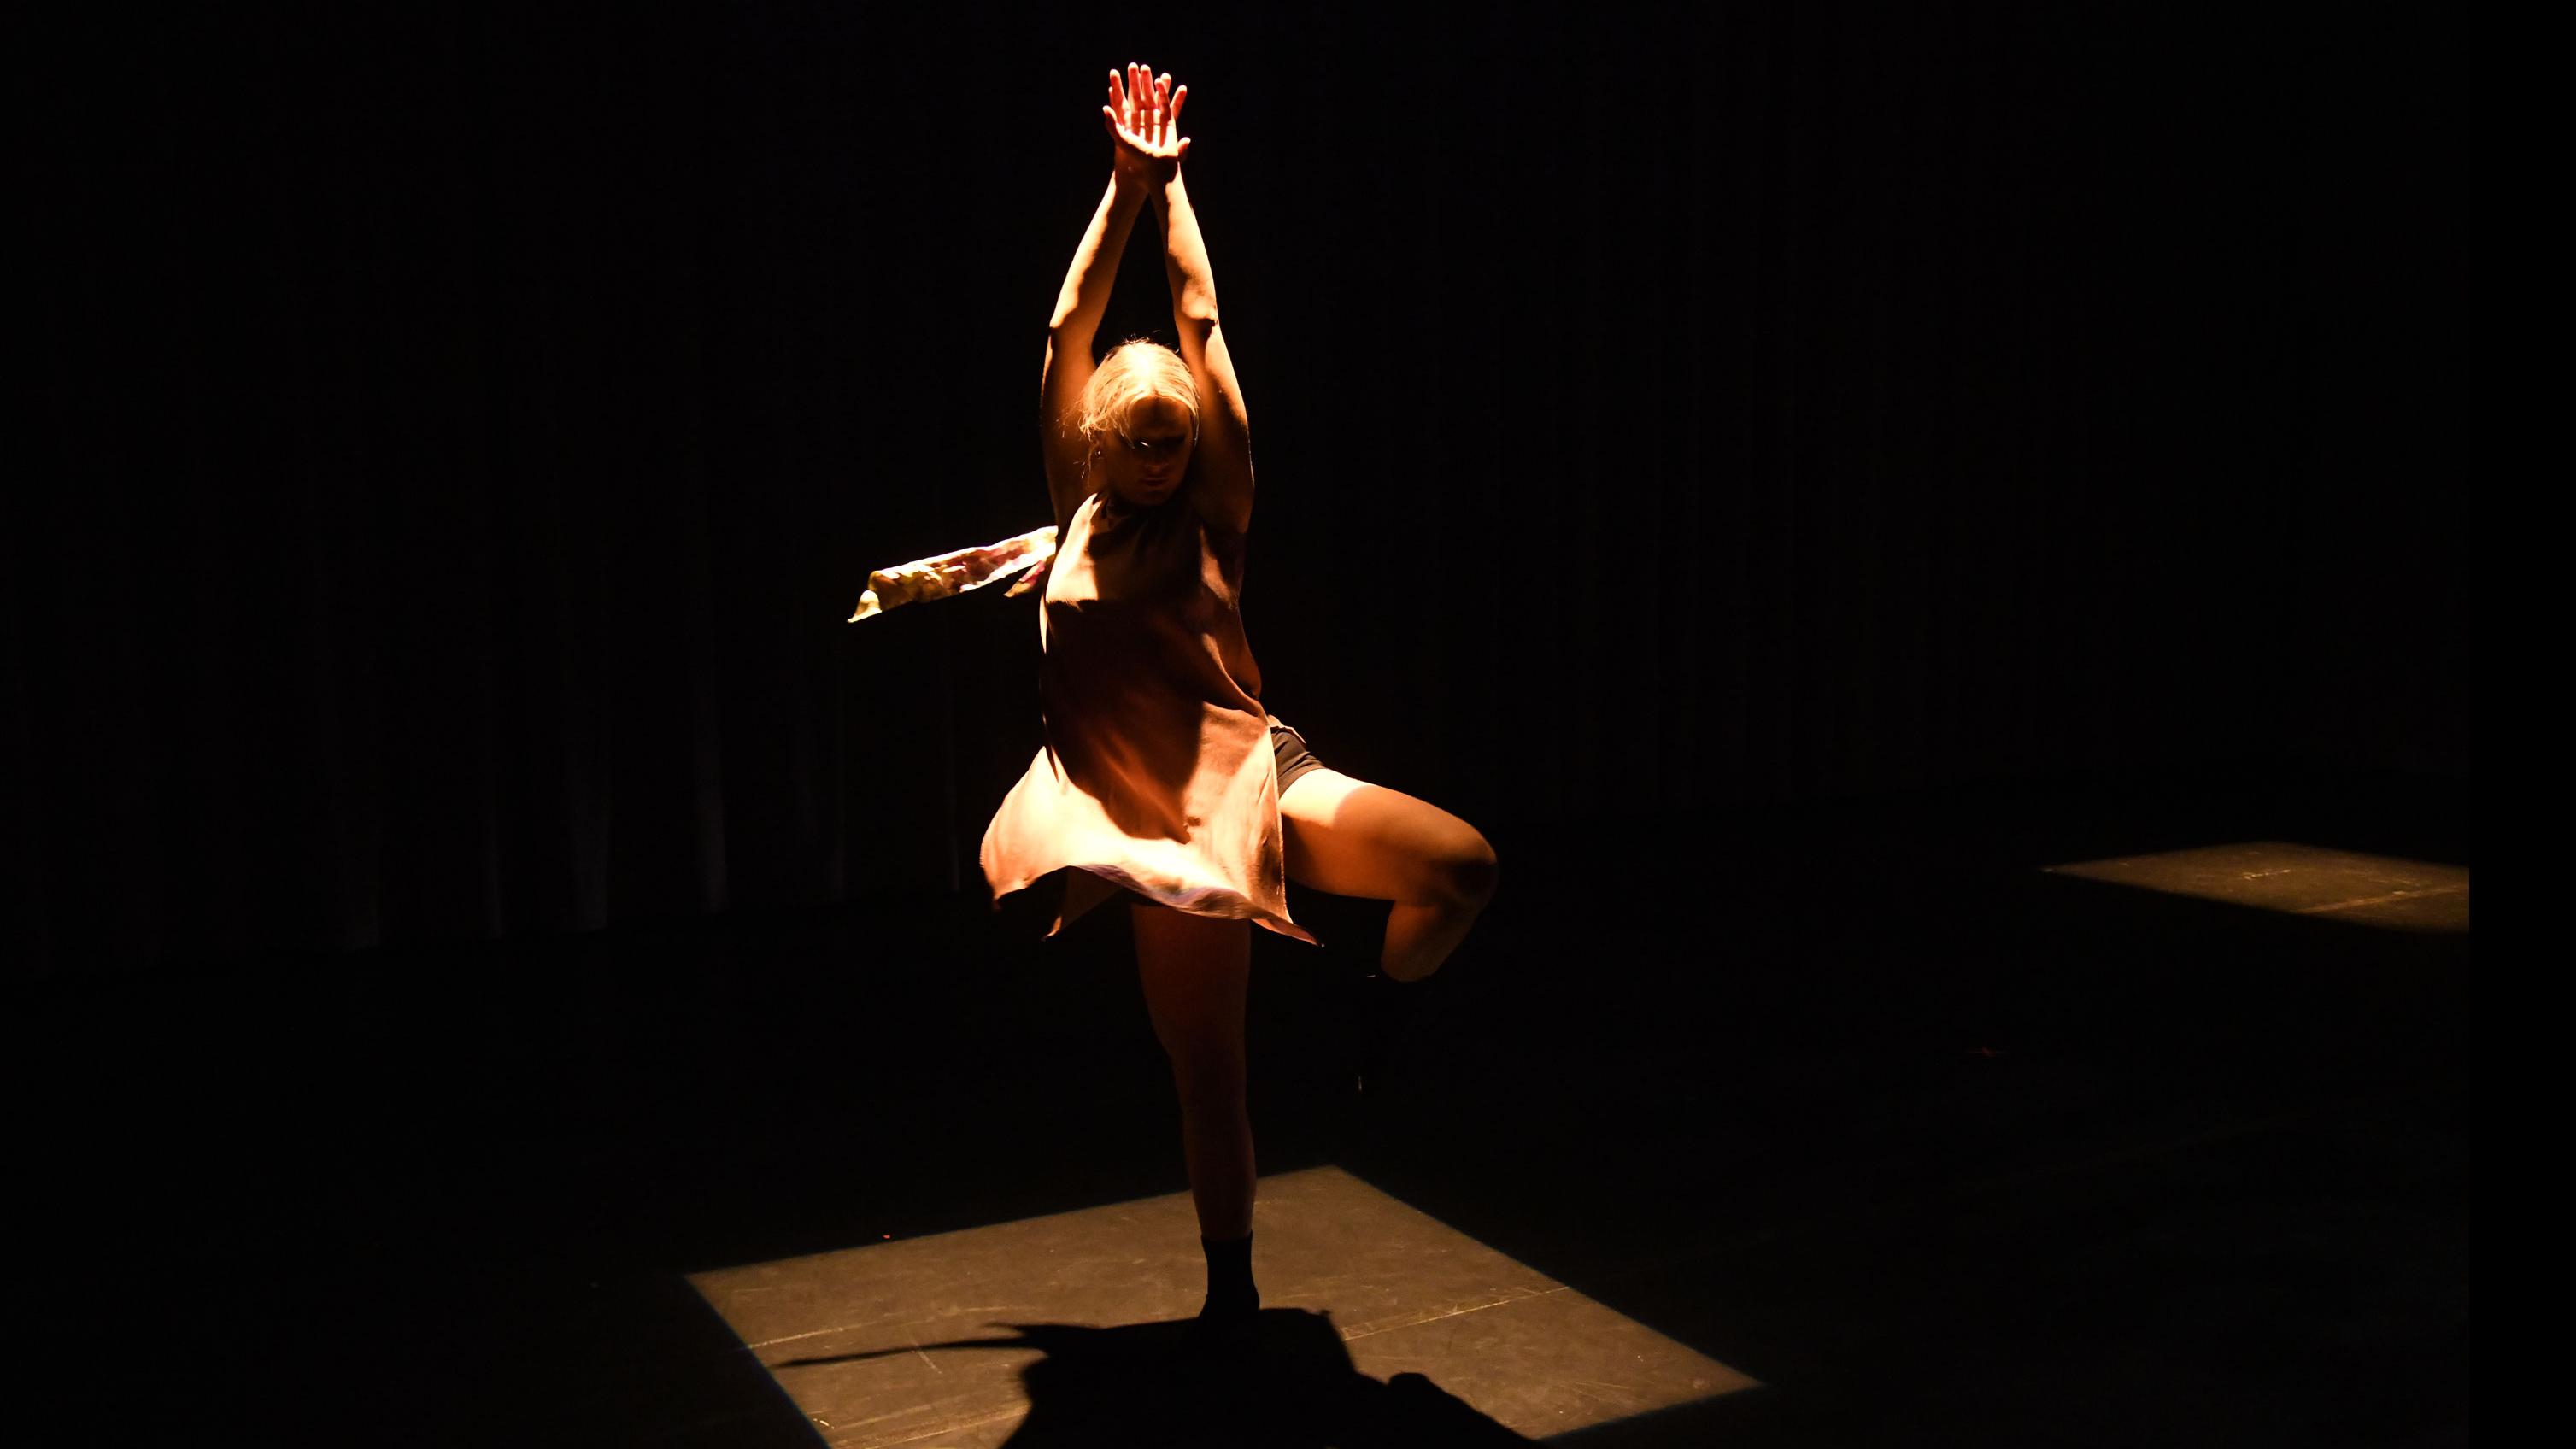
(1787, 475)
(459, 437)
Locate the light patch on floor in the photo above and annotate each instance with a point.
(2307, 880)
(914, 1342)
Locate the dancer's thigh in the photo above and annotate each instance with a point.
(1353, 838)
(1196, 972)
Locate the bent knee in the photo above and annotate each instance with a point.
(1470, 873)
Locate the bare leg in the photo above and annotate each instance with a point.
(1421, 934)
(1197, 973)
(1353, 838)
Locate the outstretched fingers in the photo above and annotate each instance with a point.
(1144, 110)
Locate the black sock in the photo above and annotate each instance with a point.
(1229, 1273)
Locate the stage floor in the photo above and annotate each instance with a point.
(2105, 1114)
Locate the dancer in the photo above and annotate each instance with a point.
(1162, 780)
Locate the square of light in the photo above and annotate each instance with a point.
(2308, 880)
(911, 1342)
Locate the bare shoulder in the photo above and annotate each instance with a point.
(1069, 502)
(1225, 510)
(1222, 491)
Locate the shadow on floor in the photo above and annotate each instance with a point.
(1936, 1146)
(1289, 1385)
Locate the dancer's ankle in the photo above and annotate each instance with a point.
(1230, 1289)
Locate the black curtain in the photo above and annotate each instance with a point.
(460, 431)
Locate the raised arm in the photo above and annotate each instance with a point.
(1224, 451)
(1075, 322)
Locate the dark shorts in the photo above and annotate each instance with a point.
(1294, 758)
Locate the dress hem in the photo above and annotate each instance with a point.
(1215, 902)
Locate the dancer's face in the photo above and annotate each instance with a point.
(1145, 460)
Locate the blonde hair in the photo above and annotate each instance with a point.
(1133, 371)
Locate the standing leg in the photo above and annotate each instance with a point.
(1197, 973)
